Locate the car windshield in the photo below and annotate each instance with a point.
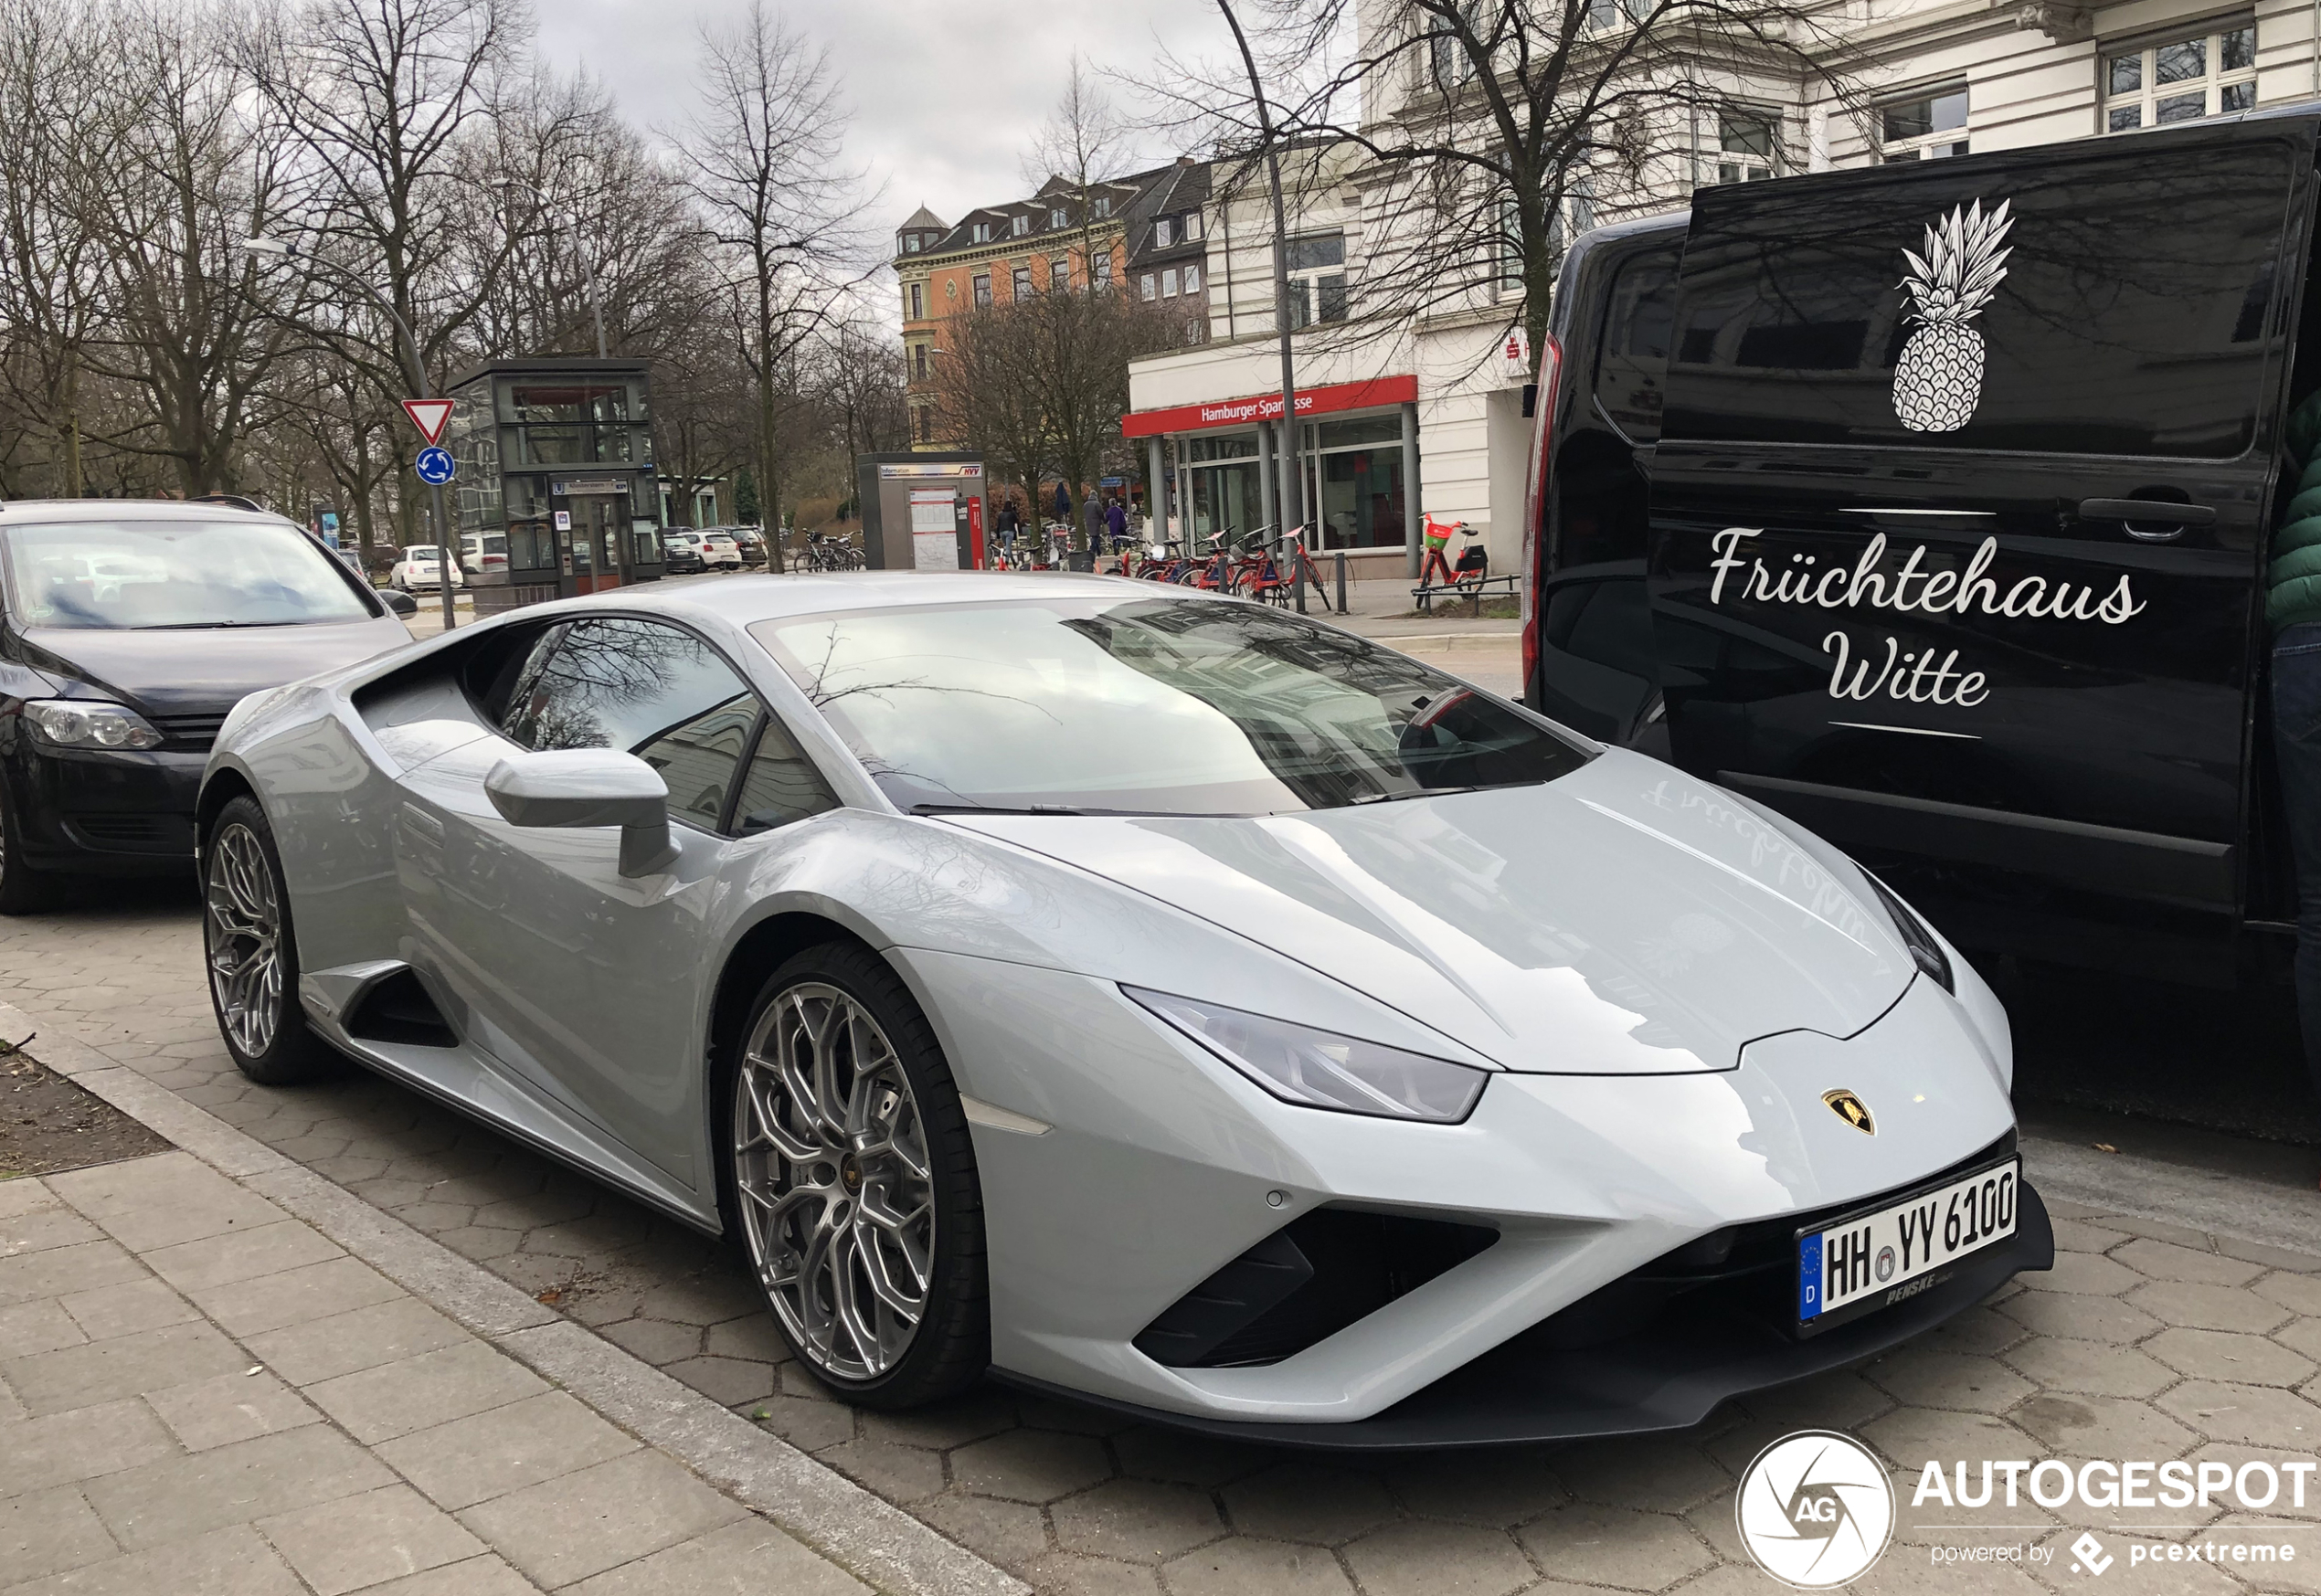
(141, 576)
(1178, 706)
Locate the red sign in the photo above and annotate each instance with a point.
(975, 531)
(432, 415)
(1321, 401)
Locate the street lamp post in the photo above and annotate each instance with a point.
(415, 372)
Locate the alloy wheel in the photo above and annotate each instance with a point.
(243, 922)
(831, 1171)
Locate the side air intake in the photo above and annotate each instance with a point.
(397, 1009)
(1307, 1280)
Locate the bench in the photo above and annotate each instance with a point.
(1472, 591)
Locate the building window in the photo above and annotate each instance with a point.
(919, 301)
(926, 425)
(1169, 283)
(1161, 234)
(1100, 269)
(1192, 279)
(1448, 52)
(1103, 205)
(1060, 272)
(1022, 283)
(1056, 217)
(983, 290)
(910, 243)
(1927, 128)
(1190, 225)
(1019, 226)
(2181, 81)
(1317, 280)
(1147, 285)
(982, 233)
(918, 360)
(1745, 152)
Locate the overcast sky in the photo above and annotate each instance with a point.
(945, 96)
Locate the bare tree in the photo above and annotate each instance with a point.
(762, 159)
(1486, 124)
(1084, 143)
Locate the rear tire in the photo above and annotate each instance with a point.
(851, 1184)
(252, 955)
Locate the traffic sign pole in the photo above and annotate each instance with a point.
(430, 417)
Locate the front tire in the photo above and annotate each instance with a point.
(23, 889)
(852, 1181)
(252, 954)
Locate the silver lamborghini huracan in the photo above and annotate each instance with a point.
(1133, 993)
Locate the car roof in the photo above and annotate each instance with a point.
(24, 512)
(740, 600)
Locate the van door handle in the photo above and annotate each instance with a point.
(2149, 512)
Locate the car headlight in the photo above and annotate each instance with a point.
(1924, 951)
(75, 722)
(1320, 1069)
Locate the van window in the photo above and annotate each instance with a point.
(2128, 313)
(1640, 324)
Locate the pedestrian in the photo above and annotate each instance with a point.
(1116, 522)
(1063, 503)
(2293, 610)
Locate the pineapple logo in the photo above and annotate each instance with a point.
(1939, 378)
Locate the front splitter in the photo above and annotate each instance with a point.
(1669, 1378)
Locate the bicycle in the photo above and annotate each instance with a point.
(1465, 579)
(1280, 588)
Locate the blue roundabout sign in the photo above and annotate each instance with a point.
(434, 466)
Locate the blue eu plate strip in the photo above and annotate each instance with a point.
(1810, 1277)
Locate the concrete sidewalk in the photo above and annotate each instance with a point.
(200, 1391)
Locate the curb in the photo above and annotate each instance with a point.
(868, 1536)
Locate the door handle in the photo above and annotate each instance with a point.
(2155, 513)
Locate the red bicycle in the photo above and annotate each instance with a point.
(1436, 574)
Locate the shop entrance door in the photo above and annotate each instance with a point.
(1225, 498)
(590, 552)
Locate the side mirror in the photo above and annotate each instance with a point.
(397, 601)
(588, 787)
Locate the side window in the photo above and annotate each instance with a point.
(1640, 325)
(698, 758)
(782, 784)
(2116, 304)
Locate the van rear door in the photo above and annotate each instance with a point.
(1904, 584)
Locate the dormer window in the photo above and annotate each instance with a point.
(1161, 234)
(1191, 225)
(1056, 217)
(1021, 225)
(982, 233)
(1104, 205)
(910, 243)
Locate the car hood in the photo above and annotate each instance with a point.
(1626, 919)
(206, 670)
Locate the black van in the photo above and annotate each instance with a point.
(1928, 503)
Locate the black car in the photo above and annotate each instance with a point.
(128, 630)
(680, 555)
(1928, 504)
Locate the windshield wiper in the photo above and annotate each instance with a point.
(198, 626)
(1381, 798)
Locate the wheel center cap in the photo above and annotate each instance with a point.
(851, 1173)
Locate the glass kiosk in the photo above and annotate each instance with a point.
(556, 474)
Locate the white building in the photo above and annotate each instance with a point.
(1408, 411)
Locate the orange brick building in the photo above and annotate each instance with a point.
(1011, 251)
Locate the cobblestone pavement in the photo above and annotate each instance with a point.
(2146, 1341)
(200, 1391)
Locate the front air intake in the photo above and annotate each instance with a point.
(1307, 1280)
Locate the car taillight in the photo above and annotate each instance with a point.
(1535, 505)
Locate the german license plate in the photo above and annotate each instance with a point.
(1876, 1259)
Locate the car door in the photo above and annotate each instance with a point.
(1903, 584)
(585, 980)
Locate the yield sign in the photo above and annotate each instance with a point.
(430, 415)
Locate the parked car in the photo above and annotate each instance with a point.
(751, 541)
(128, 630)
(1857, 501)
(1151, 996)
(681, 553)
(483, 554)
(421, 565)
(719, 552)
